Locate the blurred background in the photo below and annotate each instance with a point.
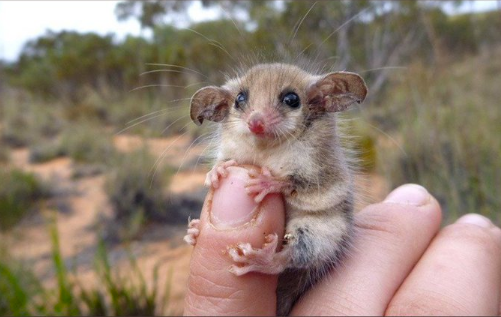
(100, 165)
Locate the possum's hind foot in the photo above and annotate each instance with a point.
(219, 170)
(263, 183)
(192, 232)
(264, 260)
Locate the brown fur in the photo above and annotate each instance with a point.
(302, 148)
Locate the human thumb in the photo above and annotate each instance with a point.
(231, 216)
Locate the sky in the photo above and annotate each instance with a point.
(21, 21)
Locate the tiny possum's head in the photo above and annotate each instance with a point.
(276, 101)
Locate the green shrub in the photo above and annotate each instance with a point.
(16, 130)
(137, 190)
(448, 137)
(45, 151)
(134, 193)
(92, 105)
(4, 153)
(19, 193)
(85, 142)
(26, 120)
(150, 116)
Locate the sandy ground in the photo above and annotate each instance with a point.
(84, 202)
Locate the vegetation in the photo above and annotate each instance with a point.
(26, 121)
(87, 143)
(4, 154)
(432, 116)
(448, 135)
(23, 294)
(136, 189)
(67, 65)
(20, 193)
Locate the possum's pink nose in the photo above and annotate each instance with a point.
(256, 124)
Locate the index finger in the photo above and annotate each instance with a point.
(230, 216)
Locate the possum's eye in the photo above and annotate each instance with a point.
(291, 99)
(240, 100)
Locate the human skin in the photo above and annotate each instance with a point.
(401, 262)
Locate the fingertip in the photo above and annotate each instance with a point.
(476, 219)
(409, 194)
(231, 216)
(231, 206)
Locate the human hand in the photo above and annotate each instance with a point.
(400, 262)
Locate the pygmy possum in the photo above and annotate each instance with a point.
(283, 119)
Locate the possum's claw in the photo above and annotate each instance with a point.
(192, 232)
(264, 171)
(219, 170)
(265, 260)
(263, 183)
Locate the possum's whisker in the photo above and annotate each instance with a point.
(203, 151)
(177, 66)
(154, 169)
(171, 71)
(156, 85)
(212, 42)
(298, 25)
(151, 117)
(389, 137)
(383, 68)
(232, 20)
(138, 123)
(197, 83)
(162, 71)
(280, 134)
(188, 151)
(174, 86)
(332, 57)
(159, 111)
(175, 121)
(292, 136)
(218, 45)
(334, 32)
(345, 23)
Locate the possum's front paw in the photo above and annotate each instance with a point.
(265, 260)
(192, 232)
(263, 183)
(219, 170)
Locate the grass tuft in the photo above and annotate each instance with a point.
(20, 192)
(115, 294)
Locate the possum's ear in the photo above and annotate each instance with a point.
(211, 103)
(337, 91)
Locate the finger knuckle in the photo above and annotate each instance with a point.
(473, 236)
(388, 224)
(204, 294)
(425, 304)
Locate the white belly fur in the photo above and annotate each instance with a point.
(282, 163)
